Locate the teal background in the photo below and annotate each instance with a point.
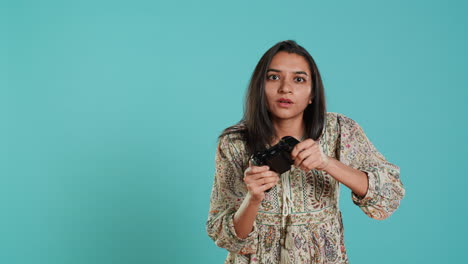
(110, 112)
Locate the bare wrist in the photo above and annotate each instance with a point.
(325, 163)
(252, 201)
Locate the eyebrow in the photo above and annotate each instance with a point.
(298, 72)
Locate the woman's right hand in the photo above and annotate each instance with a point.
(259, 179)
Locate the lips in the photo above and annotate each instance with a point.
(285, 101)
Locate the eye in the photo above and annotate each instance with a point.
(272, 77)
(300, 79)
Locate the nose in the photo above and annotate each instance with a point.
(285, 87)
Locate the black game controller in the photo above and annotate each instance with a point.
(278, 157)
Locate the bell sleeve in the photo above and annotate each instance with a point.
(226, 196)
(385, 189)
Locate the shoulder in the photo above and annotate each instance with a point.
(233, 133)
(340, 119)
(232, 140)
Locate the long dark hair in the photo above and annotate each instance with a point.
(256, 126)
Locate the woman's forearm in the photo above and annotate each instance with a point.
(245, 216)
(354, 179)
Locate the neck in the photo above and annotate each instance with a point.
(288, 127)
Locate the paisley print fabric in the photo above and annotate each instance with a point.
(315, 218)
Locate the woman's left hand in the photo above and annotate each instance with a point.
(307, 155)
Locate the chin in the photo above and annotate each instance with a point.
(285, 117)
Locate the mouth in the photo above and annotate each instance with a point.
(284, 102)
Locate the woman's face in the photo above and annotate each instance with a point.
(288, 86)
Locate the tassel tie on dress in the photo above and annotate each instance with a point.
(286, 239)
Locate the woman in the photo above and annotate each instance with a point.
(298, 220)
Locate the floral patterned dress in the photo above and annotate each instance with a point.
(314, 219)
